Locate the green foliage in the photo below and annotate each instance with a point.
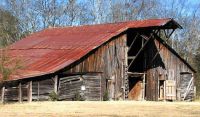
(105, 96)
(8, 66)
(9, 28)
(53, 96)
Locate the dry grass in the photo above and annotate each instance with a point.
(104, 109)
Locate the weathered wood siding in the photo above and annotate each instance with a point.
(92, 87)
(173, 65)
(11, 93)
(109, 59)
(70, 86)
(41, 89)
(165, 66)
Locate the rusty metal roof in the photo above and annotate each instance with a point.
(52, 49)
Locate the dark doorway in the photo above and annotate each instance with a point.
(135, 88)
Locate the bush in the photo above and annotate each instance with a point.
(105, 96)
(53, 96)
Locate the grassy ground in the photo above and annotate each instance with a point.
(104, 109)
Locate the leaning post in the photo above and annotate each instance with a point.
(30, 91)
(2, 94)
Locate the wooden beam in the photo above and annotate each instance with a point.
(160, 48)
(38, 91)
(164, 90)
(143, 87)
(188, 88)
(133, 42)
(141, 49)
(167, 34)
(56, 84)
(20, 93)
(131, 57)
(2, 94)
(29, 91)
(143, 45)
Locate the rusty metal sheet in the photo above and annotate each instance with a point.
(52, 49)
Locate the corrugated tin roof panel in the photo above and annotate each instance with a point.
(53, 49)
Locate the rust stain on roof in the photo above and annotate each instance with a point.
(50, 50)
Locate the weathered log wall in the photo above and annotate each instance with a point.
(70, 87)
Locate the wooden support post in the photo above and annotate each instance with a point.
(2, 94)
(164, 90)
(20, 93)
(56, 84)
(195, 92)
(126, 81)
(100, 90)
(38, 92)
(29, 91)
(143, 89)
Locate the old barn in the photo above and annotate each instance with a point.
(123, 61)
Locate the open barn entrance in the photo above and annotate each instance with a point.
(136, 86)
(136, 42)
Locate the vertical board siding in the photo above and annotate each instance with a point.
(1, 90)
(109, 60)
(93, 87)
(170, 65)
(166, 64)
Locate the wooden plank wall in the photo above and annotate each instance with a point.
(71, 85)
(42, 89)
(11, 94)
(166, 65)
(173, 64)
(110, 60)
(153, 68)
(1, 90)
(185, 79)
(93, 87)
(24, 92)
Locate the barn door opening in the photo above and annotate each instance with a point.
(136, 43)
(136, 86)
(161, 89)
(187, 86)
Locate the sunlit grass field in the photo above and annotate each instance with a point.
(101, 109)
